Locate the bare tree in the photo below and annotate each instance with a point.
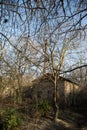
(57, 21)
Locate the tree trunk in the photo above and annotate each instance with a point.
(56, 96)
(19, 89)
(45, 57)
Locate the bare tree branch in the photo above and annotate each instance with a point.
(70, 70)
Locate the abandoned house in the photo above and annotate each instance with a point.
(43, 89)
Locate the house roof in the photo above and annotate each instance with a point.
(69, 80)
(49, 76)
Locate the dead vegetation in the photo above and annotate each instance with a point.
(35, 120)
(39, 114)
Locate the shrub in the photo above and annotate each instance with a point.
(10, 119)
(41, 108)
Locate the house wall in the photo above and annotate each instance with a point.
(70, 93)
(43, 90)
(61, 92)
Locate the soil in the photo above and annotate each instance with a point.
(47, 124)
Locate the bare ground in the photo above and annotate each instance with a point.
(47, 124)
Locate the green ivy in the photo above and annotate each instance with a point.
(10, 119)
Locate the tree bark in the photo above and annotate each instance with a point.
(56, 96)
